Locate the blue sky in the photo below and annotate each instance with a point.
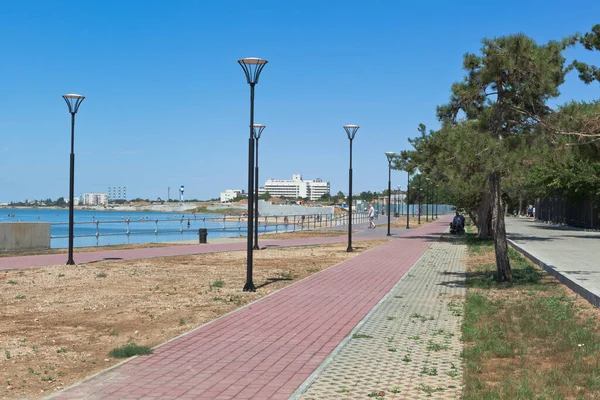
(168, 105)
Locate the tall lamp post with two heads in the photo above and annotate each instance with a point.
(252, 67)
(351, 132)
(390, 156)
(73, 102)
(257, 131)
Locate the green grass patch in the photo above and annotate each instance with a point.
(361, 336)
(433, 346)
(422, 318)
(430, 390)
(484, 276)
(429, 371)
(218, 284)
(130, 350)
(526, 339)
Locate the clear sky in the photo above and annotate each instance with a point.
(168, 105)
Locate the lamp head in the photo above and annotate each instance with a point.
(351, 130)
(73, 102)
(252, 67)
(257, 130)
(390, 156)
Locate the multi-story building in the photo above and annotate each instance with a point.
(296, 187)
(95, 199)
(232, 194)
(117, 193)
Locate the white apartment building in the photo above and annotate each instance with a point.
(95, 199)
(231, 194)
(297, 187)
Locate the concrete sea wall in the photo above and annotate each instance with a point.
(267, 209)
(22, 236)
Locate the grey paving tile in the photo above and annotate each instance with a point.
(409, 348)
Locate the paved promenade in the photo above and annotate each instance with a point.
(181, 250)
(268, 349)
(409, 347)
(570, 254)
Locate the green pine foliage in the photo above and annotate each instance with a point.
(501, 140)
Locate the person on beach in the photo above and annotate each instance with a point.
(371, 216)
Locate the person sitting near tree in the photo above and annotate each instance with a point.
(458, 223)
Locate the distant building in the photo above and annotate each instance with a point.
(75, 200)
(117, 193)
(297, 187)
(95, 199)
(232, 194)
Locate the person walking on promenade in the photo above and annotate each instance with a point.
(371, 216)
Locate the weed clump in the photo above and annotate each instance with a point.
(130, 350)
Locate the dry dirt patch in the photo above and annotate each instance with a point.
(400, 222)
(305, 234)
(58, 323)
(91, 249)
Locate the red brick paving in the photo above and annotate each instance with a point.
(269, 348)
(167, 251)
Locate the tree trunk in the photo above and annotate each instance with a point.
(473, 217)
(504, 273)
(483, 215)
(520, 205)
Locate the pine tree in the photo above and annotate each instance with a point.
(505, 94)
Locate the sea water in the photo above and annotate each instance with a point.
(100, 228)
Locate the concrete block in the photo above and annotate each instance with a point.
(24, 236)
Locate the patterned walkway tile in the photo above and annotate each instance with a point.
(267, 349)
(409, 347)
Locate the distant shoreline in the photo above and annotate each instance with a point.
(166, 208)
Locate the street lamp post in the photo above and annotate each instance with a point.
(73, 102)
(419, 193)
(398, 202)
(408, 201)
(257, 131)
(390, 156)
(437, 191)
(395, 196)
(351, 132)
(427, 198)
(398, 205)
(252, 68)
